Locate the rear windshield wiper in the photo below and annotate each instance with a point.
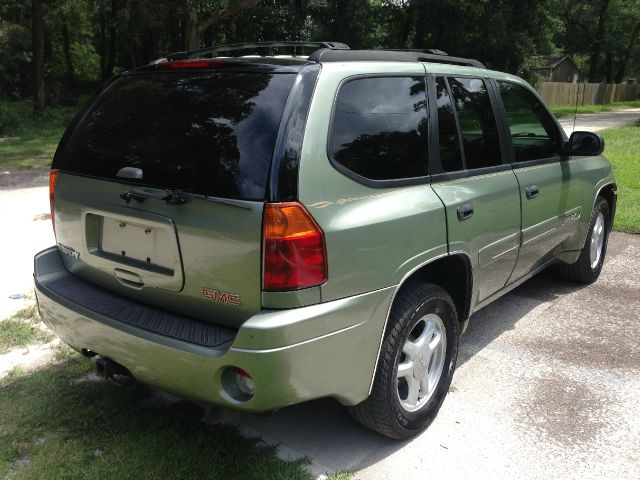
(172, 197)
(177, 197)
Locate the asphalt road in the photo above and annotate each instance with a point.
(592, 122)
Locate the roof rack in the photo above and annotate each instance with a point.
(430, 55)
(256, 46)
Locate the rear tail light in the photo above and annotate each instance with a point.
(192, 63)
(294, 254)
(53, 177)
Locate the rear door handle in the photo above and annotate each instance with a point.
(532, 191)
(465, 211)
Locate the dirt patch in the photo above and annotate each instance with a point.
(11, 179)
(564, 411)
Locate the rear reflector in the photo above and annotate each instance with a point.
(294, 255)
(53, 177)
(193, 63)
(245, 383)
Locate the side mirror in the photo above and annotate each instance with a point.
(585, 143)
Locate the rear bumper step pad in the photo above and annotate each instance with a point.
(139, 315)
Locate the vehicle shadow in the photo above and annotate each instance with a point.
(323, 429)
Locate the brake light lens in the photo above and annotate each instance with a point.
(192, 63)
(294, 254)
(53, 177)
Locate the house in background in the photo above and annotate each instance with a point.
(558, 68)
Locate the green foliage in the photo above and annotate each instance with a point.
(605, 31)
(89, 40)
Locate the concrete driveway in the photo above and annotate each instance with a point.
(547, 386)
(592, 122)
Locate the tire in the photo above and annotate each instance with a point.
(588, 267)
(389, 410)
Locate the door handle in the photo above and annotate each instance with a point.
(532, 191)
(465, 211)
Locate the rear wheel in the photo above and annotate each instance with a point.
(589, 265)
(416, 364)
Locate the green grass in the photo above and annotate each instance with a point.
(53, 425)
(622, 150)
(22, 329)
(28, 139)
(569, 110)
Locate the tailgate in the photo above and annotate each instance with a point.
(200, 259)
(161, 188)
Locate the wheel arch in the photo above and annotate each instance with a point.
(445, 272)
(610, 192)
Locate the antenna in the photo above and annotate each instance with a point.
(575, 113)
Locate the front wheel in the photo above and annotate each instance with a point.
(589, 264)
(416, 363)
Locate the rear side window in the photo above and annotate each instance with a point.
(477, 122)
(212, 133)
(450, 155)
(534, 134)
(380, 128)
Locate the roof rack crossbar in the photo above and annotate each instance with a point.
(255, 46)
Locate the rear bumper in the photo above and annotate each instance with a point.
(293, 355)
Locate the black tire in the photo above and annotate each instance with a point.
(581, 271)
(382, 412)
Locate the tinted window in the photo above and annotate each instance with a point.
(534, 134)
(380, 127)
(477, 122)
(211, 133)
(450, 155)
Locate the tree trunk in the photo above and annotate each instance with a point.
(608, 71)
(110, 62)
(633, 39)
(406, 24)
(174, 31)
(191, 31)
(66, 48)
(597, 42)
(300, 16)
(38, 55)
(107, 44)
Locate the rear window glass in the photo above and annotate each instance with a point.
(380, 128)
(477, 122)
(211, 133)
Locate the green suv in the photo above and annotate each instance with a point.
(255, 231)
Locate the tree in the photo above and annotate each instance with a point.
(202, 15)
(37, 18)
(597, 28)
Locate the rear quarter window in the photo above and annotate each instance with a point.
(379, 129)
(208, 132)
